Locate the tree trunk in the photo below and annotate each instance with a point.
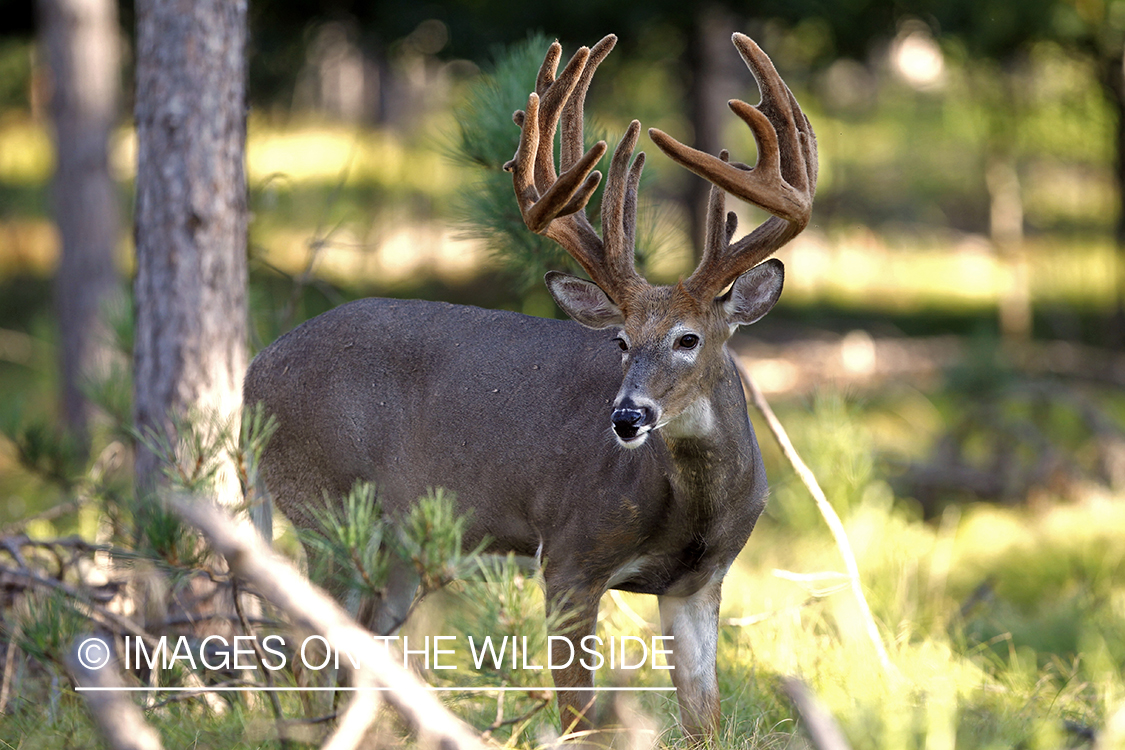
(1117, 325)
(1006, 230)
(1111, 69)
(81, 41)
(190, 348)
(715, 75)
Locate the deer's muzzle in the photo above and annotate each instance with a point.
(631, 422)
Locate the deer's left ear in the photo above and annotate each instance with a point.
(754, 293)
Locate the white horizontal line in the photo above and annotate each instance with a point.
(282, 689)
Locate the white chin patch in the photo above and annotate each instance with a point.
(697, 421)
(634, 442)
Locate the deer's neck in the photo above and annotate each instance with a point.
(710, 443)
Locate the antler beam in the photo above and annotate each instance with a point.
(782, 182)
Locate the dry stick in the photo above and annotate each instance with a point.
(826, 510)
(194, 693)
(117, 623)
(314, 719)
(122, 723)
(83, 498)
(743, 622)
(275, 702)
(311, 609)
(358, 716)
(9, 667)
(70, 506)
(500, 722)
(823, 730)
(112, 620)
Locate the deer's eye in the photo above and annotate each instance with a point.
(621, 344)
(688, 341)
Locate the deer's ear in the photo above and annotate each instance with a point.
(754, 293)
(584, 301)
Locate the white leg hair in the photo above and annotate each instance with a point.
(693, 621)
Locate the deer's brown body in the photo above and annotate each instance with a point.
(618, 452)
(412, 407)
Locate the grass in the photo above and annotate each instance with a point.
(1005, 626)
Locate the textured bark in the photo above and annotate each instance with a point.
(190, 347)
(81, 41)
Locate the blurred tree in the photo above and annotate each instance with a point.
(190, 343)
(473, 29)
(81, 41)
(1098, 30)
(994, 35)
(1000, 30)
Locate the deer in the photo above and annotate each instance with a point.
(614, 448)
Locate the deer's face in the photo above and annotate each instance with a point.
(671, 345)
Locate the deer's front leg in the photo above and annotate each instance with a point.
(572, 612)
(693, 621)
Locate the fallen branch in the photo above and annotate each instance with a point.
(500, 722)
(835, 525)
(62, 509)
(121, 721)
(275, 703)
(202, 691)
(96, 612)
(108, 619)
(277, 581)
(742, 622)
(823, 730)
(9, 666)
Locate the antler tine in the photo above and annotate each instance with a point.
(632, 186)
(618, 209)
(574, 114)
(778, 111)
(718, 231)
(565, 195)
(554, 93)
(782, 182)
(721, 259)
(549, 67)
(619, 213)
(554, 206)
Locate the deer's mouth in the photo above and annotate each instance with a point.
(632, 425)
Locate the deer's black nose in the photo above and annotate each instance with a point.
(628, 422)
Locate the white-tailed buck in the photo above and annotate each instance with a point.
(616, 450)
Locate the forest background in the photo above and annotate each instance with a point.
(947, 353)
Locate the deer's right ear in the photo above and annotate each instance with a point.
(584, 301)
